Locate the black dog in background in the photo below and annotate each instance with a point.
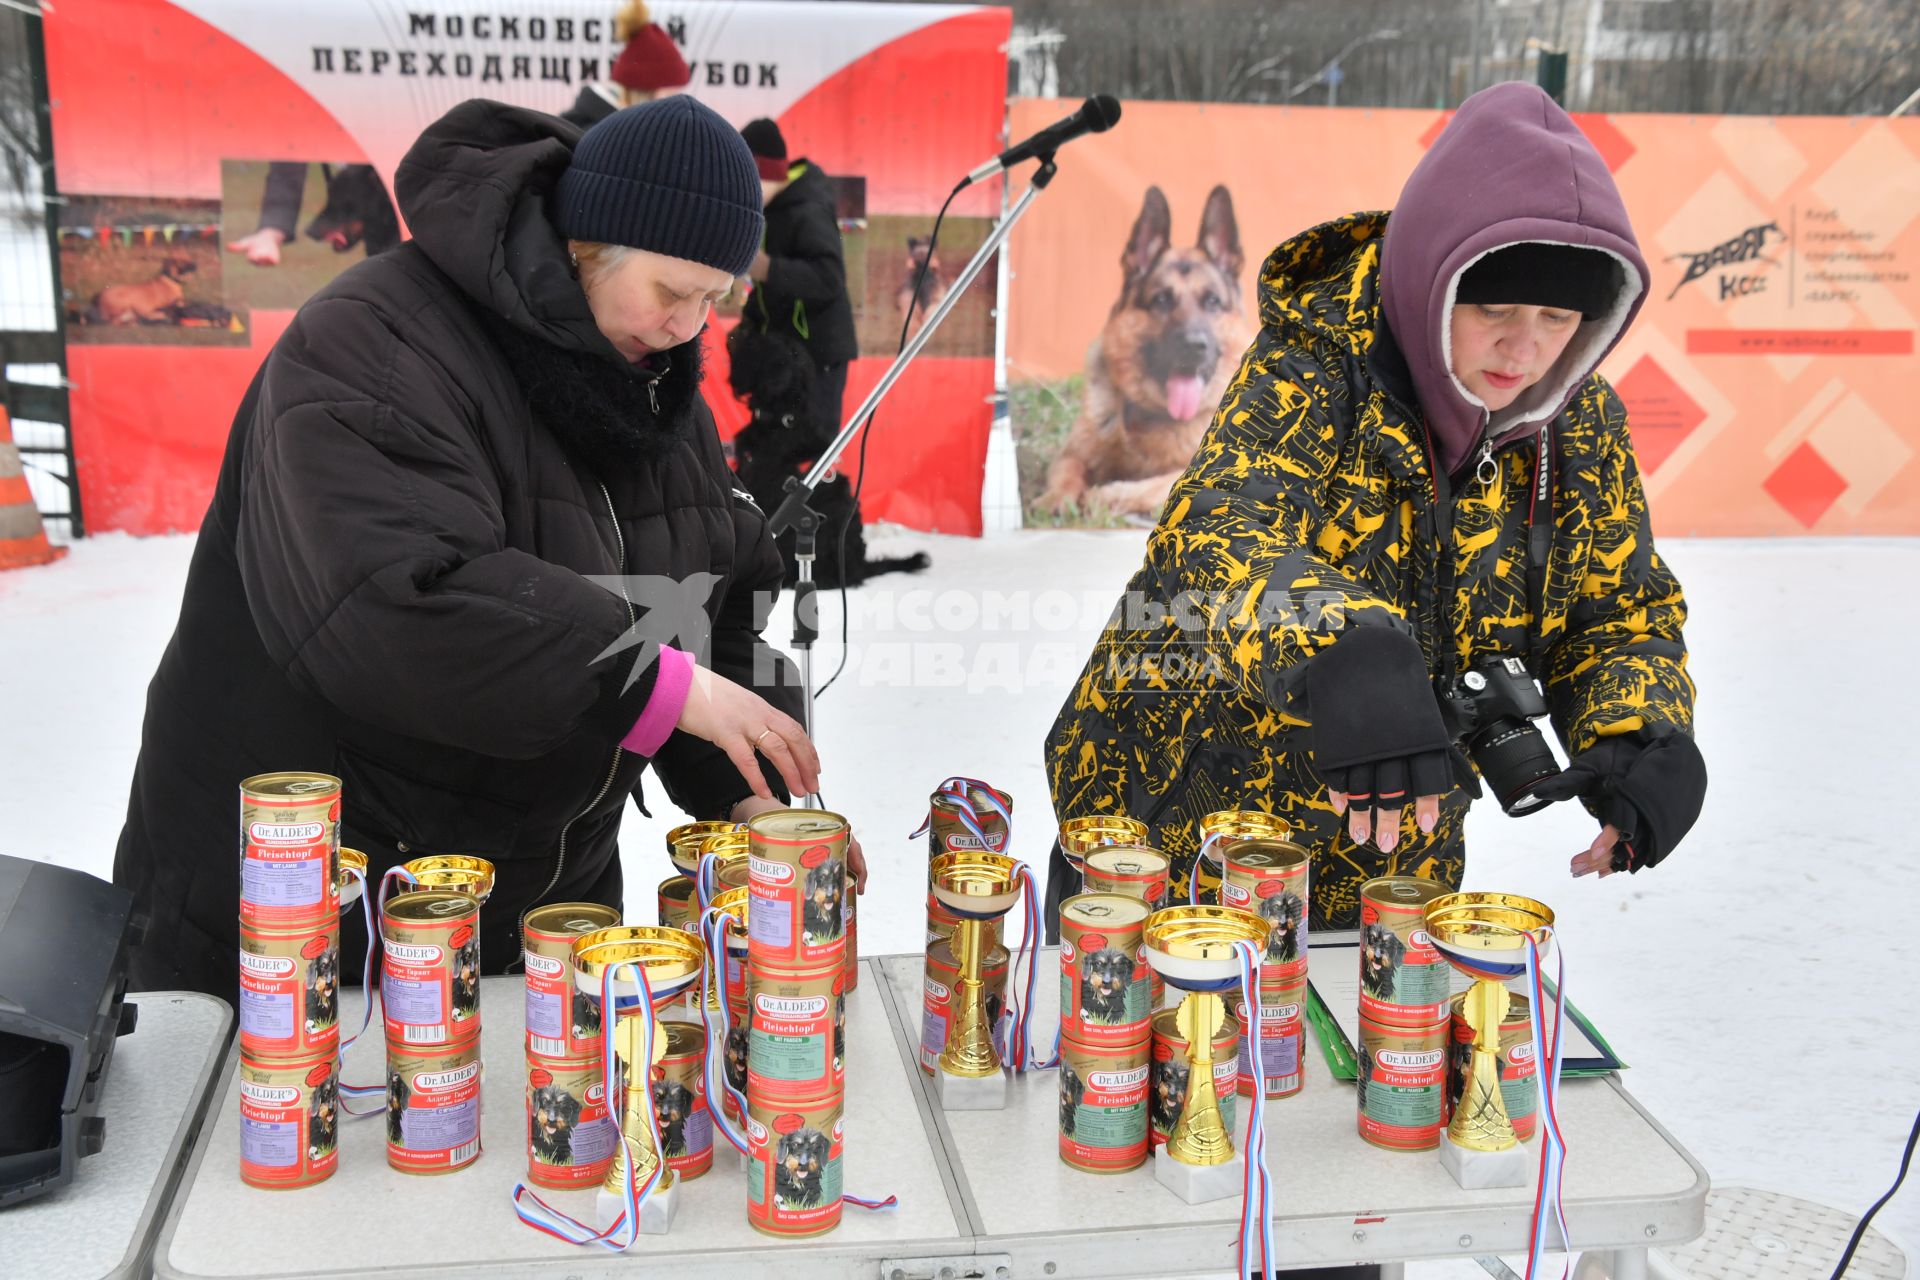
(773, 375)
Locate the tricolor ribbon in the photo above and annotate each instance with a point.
(1553, 1147)
(353, 1092)
(1256, 1202)
(1020, 1052)
(963, 789)
(714, 925)
(542, 1216)
(1200, 860)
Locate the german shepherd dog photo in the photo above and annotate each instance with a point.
(323, 990)
(152, 301)
(1105, 978)
(923, 285)
(1169, 1096)
(398, 1095)
(466, 979)
(550, 1126)
(1381, 953)
(1158, 367)
(1284, 912)
(586, 1015)
(799, 1166)
(358, 208)
(323, 1119)
(1072, 1090)
(773, 376)
(672, 1104)
(821, 916)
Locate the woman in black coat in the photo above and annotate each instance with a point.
(474, 546)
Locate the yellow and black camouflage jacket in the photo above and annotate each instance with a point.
(1311, 506)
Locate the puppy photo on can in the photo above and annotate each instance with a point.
(586, 1015)
(323, 990)
(552, 1119)
(822, 917)
(466, 978)
(1284, 912)
(737, 1044)
(399, 1094)
(1106, 977)
(323, 1119)
(1381, 954)
(840, 1029)
(672, 1104)
(799, 1167)
(1072, 1091)
(1169, 1096)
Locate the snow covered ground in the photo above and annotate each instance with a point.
(1767, 1013)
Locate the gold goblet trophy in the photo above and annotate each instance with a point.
(1192, 949)
(977, 886)
(1484, 936)
(458, 872)
(672, 959)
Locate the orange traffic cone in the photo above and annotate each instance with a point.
(23, 539)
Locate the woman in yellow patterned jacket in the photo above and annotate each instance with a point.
(1416, 499)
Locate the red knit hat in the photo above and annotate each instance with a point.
(650, 62)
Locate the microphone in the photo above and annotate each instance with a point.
(1096, 115)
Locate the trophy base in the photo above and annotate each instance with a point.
(1480, 1170)
(656, 1211)
(972, 1093)
(1199, 1183)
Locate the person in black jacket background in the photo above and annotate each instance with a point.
(470, 475)
(800, 276)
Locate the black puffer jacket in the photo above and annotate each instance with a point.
(391, 584)
(805, 292)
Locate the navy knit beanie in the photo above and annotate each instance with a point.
(669, 176)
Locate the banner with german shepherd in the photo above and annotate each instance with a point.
(185, 128)
(1769, 380)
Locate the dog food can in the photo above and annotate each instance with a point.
(1403, 979)
(1283, 1039)
(289, 1121)
(684, 843)
(433, 1107)
(942, 981)
(1173, 1073)
(1402, 1083)
(677, 907)
(289, 849)
(851, 961)
(1517, 1063)
(733, 1059)
(947, 830)
(1269, 878)
(289, 991)
(1106, 989)
(793, 1172)
(798, 884)
(571, 1134)
(1103, 1106)
(796, 1033)
(734, 873)
(546, 951)
(680, 1101)
(430, 973)
(1132, 869)
(1232, 827)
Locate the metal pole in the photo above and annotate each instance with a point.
(1479, 17)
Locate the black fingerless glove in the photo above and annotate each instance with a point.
(1649, 785)
(1376, 730)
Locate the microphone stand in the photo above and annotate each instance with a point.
(794, 513)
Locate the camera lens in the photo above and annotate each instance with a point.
(1514, 759)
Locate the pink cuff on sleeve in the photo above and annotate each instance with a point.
(662, 711)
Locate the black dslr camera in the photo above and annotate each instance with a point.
(1490, 711)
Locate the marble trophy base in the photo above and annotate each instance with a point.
(1199, 1183)
(1479, 1170)
(656, 1211)
(971, 1093)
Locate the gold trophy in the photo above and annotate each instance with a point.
(1484, 936)
(462, 874)
(976, 886)
(672, 959)
(1192, 948)
(1220, 830)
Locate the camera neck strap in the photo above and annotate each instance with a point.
(1539, 532)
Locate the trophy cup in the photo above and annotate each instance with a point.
(1484, 936)
(672, 959)
(1217, 831)
(1192, 948)
(977, 887)
(352, 878)
(471, 876)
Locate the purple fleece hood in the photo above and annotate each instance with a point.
(1510, 167)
